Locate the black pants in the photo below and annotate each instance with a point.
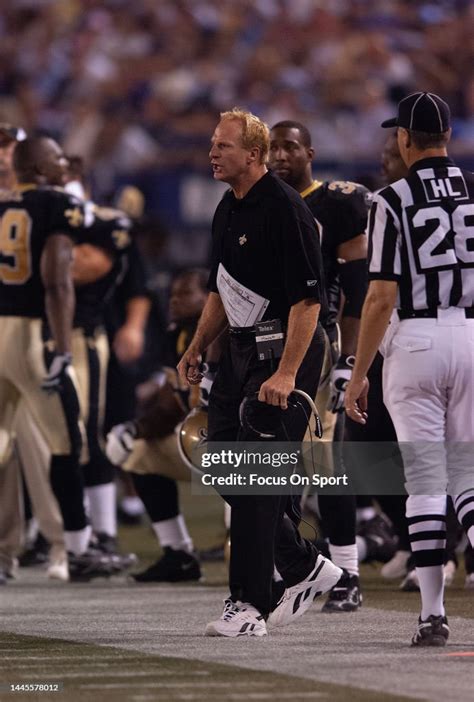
(262, 535)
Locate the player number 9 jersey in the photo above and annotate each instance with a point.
(27, 217)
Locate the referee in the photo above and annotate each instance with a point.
(421, 261)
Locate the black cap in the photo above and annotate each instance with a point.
(421, 112)
(10, 133)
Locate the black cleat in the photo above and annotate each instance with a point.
(127, 519)
(35, 554)
(345, 596)
(5, 575)
(173, 567)
(213, 554)
(380, 539)
(90, 564)
(108, 545)
(434, 631)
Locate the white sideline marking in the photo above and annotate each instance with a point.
(242, 696)
(192, 683)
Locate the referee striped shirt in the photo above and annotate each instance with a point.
(421, 234)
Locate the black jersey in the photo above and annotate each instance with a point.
(108, 229)
(341, 207)
(28, 216)
(266, 243)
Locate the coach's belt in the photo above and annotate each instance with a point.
(431, 313)
(242, 331)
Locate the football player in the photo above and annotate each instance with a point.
(38, 227)
(100, 258)
(148, 446)
(340, 208)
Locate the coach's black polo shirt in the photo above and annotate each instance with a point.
(269, 243)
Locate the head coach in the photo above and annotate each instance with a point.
(266, 267)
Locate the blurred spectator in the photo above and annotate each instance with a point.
(129, 86)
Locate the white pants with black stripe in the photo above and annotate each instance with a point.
(428, 380)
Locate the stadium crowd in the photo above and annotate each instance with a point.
(130, 87)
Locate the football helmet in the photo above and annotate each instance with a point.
(192, 438)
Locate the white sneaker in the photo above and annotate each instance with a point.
(298, 598)
(58, 569)
(469, 582)
(396, 567)
(449, 571)
(238, 619)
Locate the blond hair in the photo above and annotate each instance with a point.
(255, 133)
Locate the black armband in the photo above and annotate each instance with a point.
(354, 282)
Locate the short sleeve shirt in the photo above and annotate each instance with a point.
(269, 243)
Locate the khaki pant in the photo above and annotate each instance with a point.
(35, 461)
(159, 457)
(11, 512)
(80, 346)
(21, 372)
(322, 449)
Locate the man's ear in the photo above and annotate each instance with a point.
(254, 155)
(404, 136)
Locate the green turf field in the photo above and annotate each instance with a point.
(204, 515)
(119, 641)
(89, 672)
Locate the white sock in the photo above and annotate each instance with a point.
(76, 542)
(32, 530)
(103, 508)
(345, 557)
(361, 548)
(132, 506)
(363, 514)
(173, 533)
(432, 590)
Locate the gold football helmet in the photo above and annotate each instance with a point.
(192, 438)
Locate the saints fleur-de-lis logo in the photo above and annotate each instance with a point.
(242, 239)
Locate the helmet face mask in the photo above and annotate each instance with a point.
(192, 438)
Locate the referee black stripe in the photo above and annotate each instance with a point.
(456, 290)
(417, 189)
(426, 535)
(433, 557)
(406, 283)
(372, 217)
(465, 501)
(393, 200)
(426, 518)
(432, 289)
(390, 244)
